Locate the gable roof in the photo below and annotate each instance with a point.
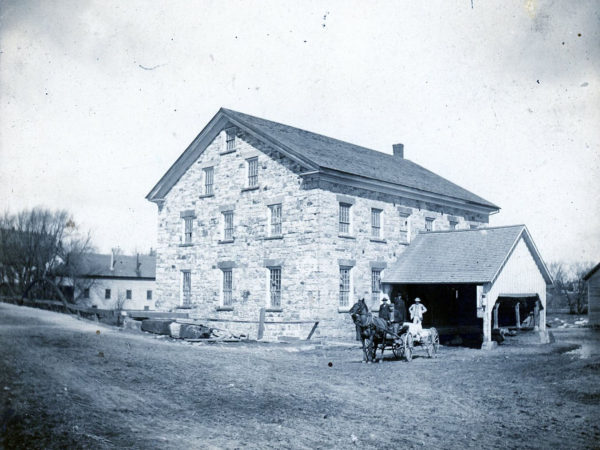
(320, 153)
(461, 256)
(592, 271)
(98, 265)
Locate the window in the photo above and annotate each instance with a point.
(253, 172)
(453, 224)
(429, 223)
(86, 293)
(148, 295)
(230, 139)
(275, 287)
(128, 294)
(345, 287)
(275, 213)
(376, 223)
(404, 228)
(209, 177)
(107, 294)
(344, 227)
(186, 288)
(228, 225)
(188, 223)
(375, 286)
(227, 287)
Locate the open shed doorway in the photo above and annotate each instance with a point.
(451, 309)
(516, 312)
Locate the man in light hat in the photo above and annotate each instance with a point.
(416, 311)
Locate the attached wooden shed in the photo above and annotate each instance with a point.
(592, 279)
(473, 281)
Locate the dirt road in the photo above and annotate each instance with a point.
(71, 383)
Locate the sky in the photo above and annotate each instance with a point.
(99, 98)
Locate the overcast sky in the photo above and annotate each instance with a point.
(98, 99)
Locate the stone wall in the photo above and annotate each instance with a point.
(309, 251)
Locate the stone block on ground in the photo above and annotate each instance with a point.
(157, 326)
(175, 330)
(131, 324)
(189, 331)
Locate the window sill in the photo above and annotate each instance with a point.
(206, 195)
(383, 241)
(270, 238)
(186, 245)
(251, 188)
(346, 236)
(273, 310)
(226, 241)
(224, 308)
(227, 152)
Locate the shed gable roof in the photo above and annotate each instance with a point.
(125, 266)
(318, 152)
(462, 256)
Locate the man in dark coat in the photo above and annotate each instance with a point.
(399, 310)
(385, 312)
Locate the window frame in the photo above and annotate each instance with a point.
(405, 227)
(344, 220)
(376, 223)
(209, 180)
(188, 230)
(275, 275)
(228, 226)
(107, 294)
(227, 287)
(252, 172)
(375, 286)
(429, 224)
(186, 288)
(128, 294)
(275, 220)
(230, 140)
(148, 294)
(345, 291)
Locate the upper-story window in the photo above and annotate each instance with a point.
(128, 294)
(230, 139)
(107, 294)
(188, 224)
(186, 288)
(149, 294)
(252, 172)
(404, 228)
(275, 219)
(429, 223)
(344, 219)
(375, 286)
(209, 179)
(376, 228)
(228, 225)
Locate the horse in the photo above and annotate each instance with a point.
(372, 329)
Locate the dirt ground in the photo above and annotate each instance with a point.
(71, 383)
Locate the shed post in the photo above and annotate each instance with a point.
(487, 324)
(518, 314)
(496, 308)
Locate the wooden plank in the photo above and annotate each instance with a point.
(261, 323)
(312, 331)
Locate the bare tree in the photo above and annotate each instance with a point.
(569, 283)
(38, 249)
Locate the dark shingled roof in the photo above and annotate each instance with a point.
(342, 156)
(462, 256)
(98, 265)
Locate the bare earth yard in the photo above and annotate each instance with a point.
(71, 383)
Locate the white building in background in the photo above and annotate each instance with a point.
(119, 280)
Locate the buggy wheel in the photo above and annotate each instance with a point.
(435, 340)
(408, 346)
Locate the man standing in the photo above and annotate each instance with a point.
(416, 311)
(384, 310)
(399, 310)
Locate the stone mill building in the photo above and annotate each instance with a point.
(257, 217)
